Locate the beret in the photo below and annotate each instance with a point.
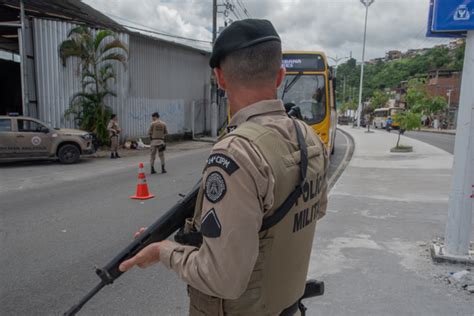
(242, 34)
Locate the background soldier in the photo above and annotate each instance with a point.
(114, 131)
(157, 133)
(247, 249)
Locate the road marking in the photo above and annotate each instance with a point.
(344, 161)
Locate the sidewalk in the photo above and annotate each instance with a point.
(372, 248)
(439, 131)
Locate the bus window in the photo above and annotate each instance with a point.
(308, 92)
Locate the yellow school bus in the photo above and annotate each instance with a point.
(309, 86)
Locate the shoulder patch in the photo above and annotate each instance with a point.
(210, 225)
(215, 188)
(224, 162)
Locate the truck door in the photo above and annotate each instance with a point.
(7, 138)
(32, 139)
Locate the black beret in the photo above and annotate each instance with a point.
(242, 34)
(156, 114)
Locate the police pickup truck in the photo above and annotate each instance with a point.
(24, 138)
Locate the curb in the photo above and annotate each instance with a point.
(342, 167)
(436, 132)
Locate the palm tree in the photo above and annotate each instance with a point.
(97, 54)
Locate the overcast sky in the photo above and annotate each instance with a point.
(333, 26)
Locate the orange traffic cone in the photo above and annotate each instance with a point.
(142, 187)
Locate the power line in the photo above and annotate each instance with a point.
(164, 34)
(145, 28)
(243, 8)
(232, 9)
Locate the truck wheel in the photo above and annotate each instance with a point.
(69, 154)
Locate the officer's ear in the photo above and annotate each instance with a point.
(280, 76)
(220, 78)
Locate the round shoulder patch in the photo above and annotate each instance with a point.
(215, 187)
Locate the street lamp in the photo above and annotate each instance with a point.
(337, 60)
(367, 4)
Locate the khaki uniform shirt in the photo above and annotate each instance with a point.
(157, 132)
(113, 128)
(222, 266)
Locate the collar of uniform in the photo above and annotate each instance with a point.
(259, 108)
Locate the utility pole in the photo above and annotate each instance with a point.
(213, 78)
(344, 90)
(458, 227)
(367, 4)
(214, 21)
(24, 62)
(449, 97)
(336, 60)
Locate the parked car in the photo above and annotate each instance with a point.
(363, 123)
(24, 138)
(343, 120)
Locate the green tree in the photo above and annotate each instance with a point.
(437, 105)
(351, 105)
(408, 121)
(379, 99)
(417, 98)
(387, 75)
(97, 53)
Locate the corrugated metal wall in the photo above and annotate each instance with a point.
(164, 78)
(160, 77)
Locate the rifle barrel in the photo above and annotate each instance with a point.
(76, 308)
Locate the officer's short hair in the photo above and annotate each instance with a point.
(113, 116)
(259, 63)
(156, 114)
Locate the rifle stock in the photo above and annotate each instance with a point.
(166, 225)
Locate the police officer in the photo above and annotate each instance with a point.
(114, 131)
(157, 133)
(246, 251)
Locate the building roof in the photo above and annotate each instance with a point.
(69, 10)
(74, 11)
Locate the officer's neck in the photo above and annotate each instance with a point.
(243, 97)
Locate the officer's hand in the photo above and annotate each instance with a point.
(139, 232)
(144, 258)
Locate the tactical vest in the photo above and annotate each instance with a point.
(279, 275)
(158, 130)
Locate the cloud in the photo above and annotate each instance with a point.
(333, 26)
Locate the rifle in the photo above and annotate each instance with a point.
(166, 225)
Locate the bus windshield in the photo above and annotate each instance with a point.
(308, 92)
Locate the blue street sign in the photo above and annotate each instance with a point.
(453, 16)
(431, 33)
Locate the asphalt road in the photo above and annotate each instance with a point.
(58, 222)
(443, 141)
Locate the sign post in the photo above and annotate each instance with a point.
(455, 18)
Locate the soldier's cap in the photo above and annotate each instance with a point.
(156, 114)
(242, 34)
